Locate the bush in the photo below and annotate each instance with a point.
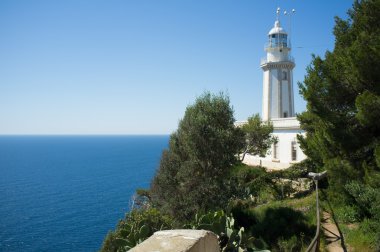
(275, 227)
(300, 170)
(282, 224)
(137, 226)
(364, 197)
(245, 173)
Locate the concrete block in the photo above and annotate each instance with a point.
(181, 240)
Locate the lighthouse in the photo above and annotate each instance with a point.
(278, 100)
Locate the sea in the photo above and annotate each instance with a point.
(65, 193)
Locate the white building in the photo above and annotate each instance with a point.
(278, 103)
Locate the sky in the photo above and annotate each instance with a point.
(133, 66)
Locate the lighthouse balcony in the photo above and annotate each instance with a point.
(265, 60)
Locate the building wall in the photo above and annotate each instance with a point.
(291, 96)
(266, 97)
(286, 130)
(286, 137)
(274, 98)
(276, 55)
(277, 93)
(284, 94)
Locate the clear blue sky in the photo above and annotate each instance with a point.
(132, 67)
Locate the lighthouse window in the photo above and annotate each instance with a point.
(284, 75)
(272, 40)
(275, 150)
(294, 150)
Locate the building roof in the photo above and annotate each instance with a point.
(285, 123)
(277, 29)
(279, 123)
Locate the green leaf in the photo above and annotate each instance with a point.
(144, 231)
(131, 239)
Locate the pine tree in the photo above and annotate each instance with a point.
(342, 91)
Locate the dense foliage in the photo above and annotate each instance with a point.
(191, 177)
(343, 108)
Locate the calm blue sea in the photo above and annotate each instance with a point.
(64, 193)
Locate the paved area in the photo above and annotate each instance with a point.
(331, 233)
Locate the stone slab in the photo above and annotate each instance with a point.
(180, 240)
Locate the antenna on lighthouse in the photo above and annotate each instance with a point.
(277, 24)
(290, 24)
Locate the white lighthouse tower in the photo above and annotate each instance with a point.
(278, 75)
(278, 102)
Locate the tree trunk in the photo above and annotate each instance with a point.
(245, 152)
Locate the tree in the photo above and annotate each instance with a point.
(343, 104)
(258, 136)
(192, 172)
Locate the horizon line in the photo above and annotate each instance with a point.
(79, 134)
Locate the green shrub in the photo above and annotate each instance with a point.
(300, 170)
(274, 226)
(363, 196)
(282, 223)
(137, 226)
(246, 173)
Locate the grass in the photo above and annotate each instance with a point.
(282, 225)
(359, 236)
(306, 205)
